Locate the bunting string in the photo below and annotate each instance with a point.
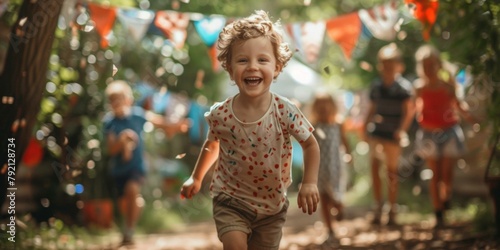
(351, 31)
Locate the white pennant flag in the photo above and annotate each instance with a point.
(136, 21)
(381, 21)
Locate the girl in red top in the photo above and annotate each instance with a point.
(440, 139)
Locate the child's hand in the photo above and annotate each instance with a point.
(190, 188)
(308, 198)
(128, 135)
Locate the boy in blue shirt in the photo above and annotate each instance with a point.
(123, 128)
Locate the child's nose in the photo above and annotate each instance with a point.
(252, 65)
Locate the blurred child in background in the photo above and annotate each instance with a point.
(390, 115)
(440, 139)
(331, 138)
(123, 127)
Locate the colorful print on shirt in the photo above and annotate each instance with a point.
(255, 158)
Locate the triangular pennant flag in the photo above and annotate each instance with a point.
(209, 28)
(153, 29)
(293, 30)
(426, 12)
(104, 18)
(173, 25)
(312, 34)
(381, 21)
(213, 52)
(345, 30)
(136, 21)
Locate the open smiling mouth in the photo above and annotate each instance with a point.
(253, 80)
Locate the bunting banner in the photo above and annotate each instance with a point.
(345, 31)
(209, 28)
(351, 31)
(136, 22)
(426, 12)
(173, 24)
(104, 19)
(381, 21)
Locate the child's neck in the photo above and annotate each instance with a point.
(251, 109)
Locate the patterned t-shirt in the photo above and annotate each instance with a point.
(255, 158)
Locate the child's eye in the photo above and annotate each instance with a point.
(242, 60)
(263, 60)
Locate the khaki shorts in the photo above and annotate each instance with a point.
(264, 231)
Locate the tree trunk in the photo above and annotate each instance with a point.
(22, 82)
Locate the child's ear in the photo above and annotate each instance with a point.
(229, 71)
(277, 70)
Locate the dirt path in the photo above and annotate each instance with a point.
(304, 232)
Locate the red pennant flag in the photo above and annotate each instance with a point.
(213, 52)
(104, 19)
(345, 30)
(426, 12)
(173, 25)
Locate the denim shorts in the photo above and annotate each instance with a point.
(232, 214)
(122, 180)
(447, 142)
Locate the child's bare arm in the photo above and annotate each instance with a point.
(464, 110)
(345, 143)
(208, 155)
(170, 128)
(368, 119)
(407, 119)
(308, 194)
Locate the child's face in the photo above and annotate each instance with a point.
(119, 104)
(430, 67)
(390, 68)
(253, 66)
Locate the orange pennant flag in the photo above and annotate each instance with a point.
(104, 19)
(345, 30)
(173, 25)
(426, 12)
(213, 52)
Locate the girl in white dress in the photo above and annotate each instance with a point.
(330, 136)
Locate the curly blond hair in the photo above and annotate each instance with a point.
(256, 25)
